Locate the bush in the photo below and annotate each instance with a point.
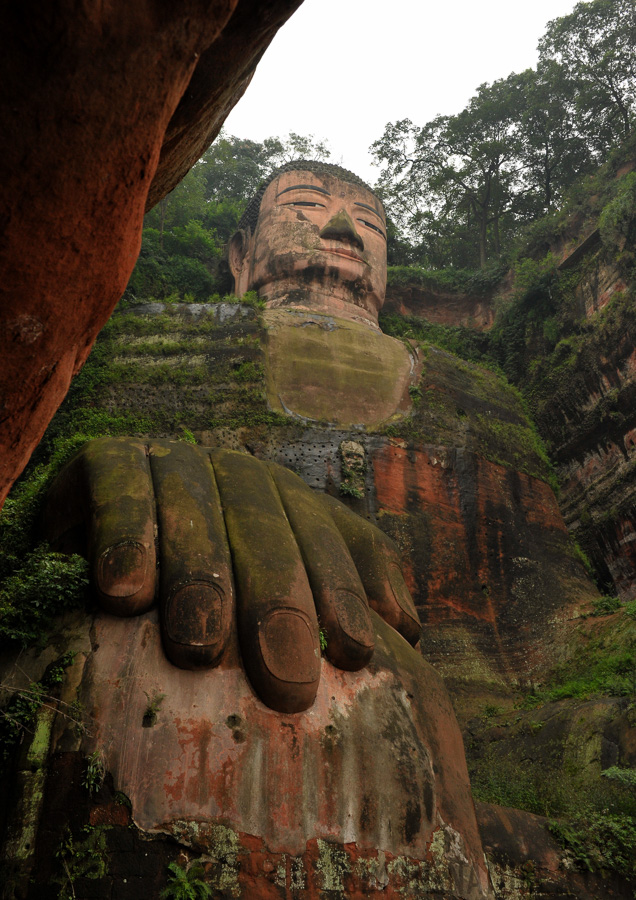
(618, 218)
(600, 841)
(186, 884)
(43, 586)
(605, 605)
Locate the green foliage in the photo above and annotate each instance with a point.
(251, 298)
(351, 490)
(187, 437)
(626, 777)
(602, 666)
(248, 372)
(582, 556)
(605, 605)
(506, 783)
(630, 609)
(43, 585)
(600, 841)
(592, 54)
(154, 704)
(465, 281)
(543, 775)
(617, 222)
(94, 773)
(85, 858)
(186, 884)
(460, 189)
(322, 634)
(19, 714)
(464, 342)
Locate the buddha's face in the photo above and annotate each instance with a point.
(316, 237)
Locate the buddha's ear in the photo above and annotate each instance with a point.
(239, 255)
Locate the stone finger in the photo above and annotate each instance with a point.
(196, 586)
(341, 603)
(378, 563)
(278, 630)
(106, 493)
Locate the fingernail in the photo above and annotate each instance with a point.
(410, 625)
(290, 647)
(401, 592)
(194, 615)
(353, 618)
(121, 570)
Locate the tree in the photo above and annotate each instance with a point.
(457, 173)
(595, 50)
(553, 151)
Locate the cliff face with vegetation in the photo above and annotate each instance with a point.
(564, 334)
(584, 395)
(462, 482)
(579, 378)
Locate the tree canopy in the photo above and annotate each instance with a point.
(460, 187)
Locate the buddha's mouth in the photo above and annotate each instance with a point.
(347, 252)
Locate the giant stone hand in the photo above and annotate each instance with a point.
(220, 537)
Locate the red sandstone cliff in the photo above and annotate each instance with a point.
(103, 110)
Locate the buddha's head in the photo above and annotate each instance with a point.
(314, 237)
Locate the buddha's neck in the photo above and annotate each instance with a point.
(335, 301)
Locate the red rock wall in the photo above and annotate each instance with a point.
(487, 556)
(440, 307)
(92, 97)
(590, 421)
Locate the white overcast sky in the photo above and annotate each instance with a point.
(342, 69)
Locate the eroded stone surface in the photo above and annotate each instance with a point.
(366, 790)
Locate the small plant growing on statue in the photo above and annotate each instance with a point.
(95, 772)
(350, 490)
(154, 702)
(605, 606)
(322, 634)
(186, 884)
(352, 469)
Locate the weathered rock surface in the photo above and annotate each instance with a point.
(365, 794)
(440, 307)
(103, 110)
(525, 860)
(586, 410)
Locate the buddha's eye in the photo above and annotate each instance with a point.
(372, 227)
(305, 203)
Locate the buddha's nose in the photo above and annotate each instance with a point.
(341, 228)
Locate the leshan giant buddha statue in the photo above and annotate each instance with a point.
(352, 751)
